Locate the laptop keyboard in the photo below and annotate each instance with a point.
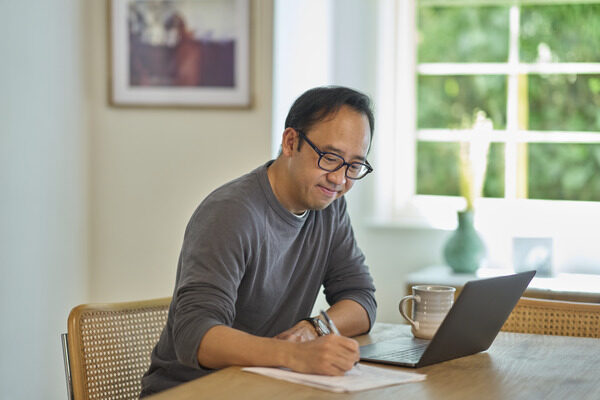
(412, 353)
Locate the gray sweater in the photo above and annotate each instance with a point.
(248, 263)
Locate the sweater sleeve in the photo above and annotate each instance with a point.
(212, 264)
(347, 276)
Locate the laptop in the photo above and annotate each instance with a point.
(470, 326)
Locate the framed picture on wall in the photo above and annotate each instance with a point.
(180, 53)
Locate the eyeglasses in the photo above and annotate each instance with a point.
(331, 162)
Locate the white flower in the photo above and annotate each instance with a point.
(473, 158)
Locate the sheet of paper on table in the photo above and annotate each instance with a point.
(361, 377)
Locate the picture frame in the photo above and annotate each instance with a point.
(533, 253)
(180, 53)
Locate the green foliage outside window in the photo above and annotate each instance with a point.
(565, 171)
(437, 169)
(446, 101)
(564, 102)
(463, 34)
(558, 102)
(570, 31)
(493, 185)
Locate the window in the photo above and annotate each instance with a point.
(534, 68)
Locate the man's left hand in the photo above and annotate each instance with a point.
(303, 331)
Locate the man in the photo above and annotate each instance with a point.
(257, 250)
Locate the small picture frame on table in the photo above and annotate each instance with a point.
(533, 253)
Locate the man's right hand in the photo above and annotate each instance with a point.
(326, 355)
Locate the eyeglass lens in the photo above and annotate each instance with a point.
(332, 162)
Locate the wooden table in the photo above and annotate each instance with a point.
(517, 366)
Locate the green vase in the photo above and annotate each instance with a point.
(464, 251)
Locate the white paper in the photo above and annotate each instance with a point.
(361, 377)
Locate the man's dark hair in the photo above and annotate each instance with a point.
(316, 104)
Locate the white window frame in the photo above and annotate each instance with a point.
(397, 203)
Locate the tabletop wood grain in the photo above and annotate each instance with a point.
(517, 366)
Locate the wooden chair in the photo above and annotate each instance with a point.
(552, 317)
(107, 348)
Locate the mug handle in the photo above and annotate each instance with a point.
(412, 297)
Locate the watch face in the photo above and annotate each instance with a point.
(322, 329)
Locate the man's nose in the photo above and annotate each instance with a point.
(338, 177)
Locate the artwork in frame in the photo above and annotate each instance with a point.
(180, 53)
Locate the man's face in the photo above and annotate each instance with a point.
(345, 133)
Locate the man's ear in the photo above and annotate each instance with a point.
(288, 141)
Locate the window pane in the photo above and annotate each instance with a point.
(564, 102)
(493, 186)
(447, 101)
(437, 169)
(561, 33)
(463, 34)
(561, 171)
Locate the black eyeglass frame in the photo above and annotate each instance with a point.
(344, 163)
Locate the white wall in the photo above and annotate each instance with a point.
(43, 192)
(152, 167)
(302, 48)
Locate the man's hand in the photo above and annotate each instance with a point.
(326, 355)
(298, 348)
(303, 331)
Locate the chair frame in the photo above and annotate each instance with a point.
(66, 360)
(72, 342)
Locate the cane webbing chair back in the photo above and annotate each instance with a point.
(552, 317)
(109, 347)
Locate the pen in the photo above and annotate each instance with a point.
(332, 326)
(330, 323)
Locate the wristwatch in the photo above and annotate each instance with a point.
(319, 326)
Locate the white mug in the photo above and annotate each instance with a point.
(431, 303)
